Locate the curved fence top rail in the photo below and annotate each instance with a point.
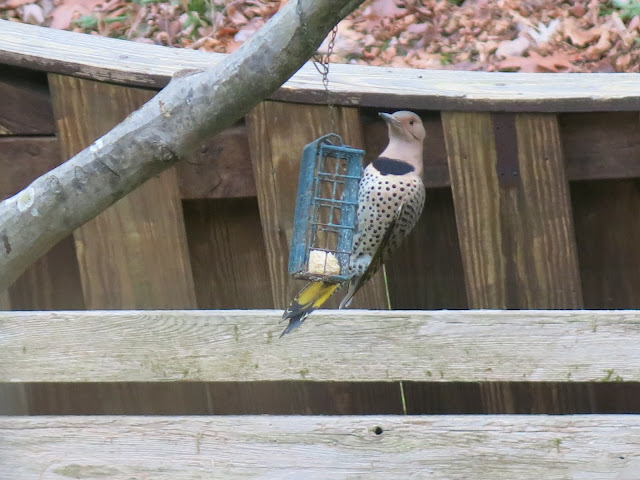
(152, 66)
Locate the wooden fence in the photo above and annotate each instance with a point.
(459, 350)
(532, 203)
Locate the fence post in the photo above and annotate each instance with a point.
(133, 255)
(513, 210)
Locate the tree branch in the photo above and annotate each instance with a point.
(192, 107)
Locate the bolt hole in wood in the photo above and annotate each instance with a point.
(378, 430)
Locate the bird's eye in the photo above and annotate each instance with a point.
(411, 122)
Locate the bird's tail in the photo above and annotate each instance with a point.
(354, 286)
(310, 297)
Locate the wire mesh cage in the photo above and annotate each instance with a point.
(325, 213)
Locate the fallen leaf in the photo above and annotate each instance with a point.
(249, 29)
(542, 33)
(578, 10)
(537, 63)
(513, 48)
(238, 18)
(379, 10)
(63, 14)
(33, 14)
(224, 31)
(578, 35)
(11, 4)
(419, 28)
(597, 51)
(623, 62)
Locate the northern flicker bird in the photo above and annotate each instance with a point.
(390, 200)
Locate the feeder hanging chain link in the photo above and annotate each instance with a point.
(321, 62)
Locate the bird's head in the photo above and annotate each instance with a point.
(406, 137)
(405, 125)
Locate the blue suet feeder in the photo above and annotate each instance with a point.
(326, 206)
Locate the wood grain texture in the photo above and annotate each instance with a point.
(219, 169)
(23, 159)
(5, 301)
(551, 398)
(133, 63)
(426, 272)
(13, 401)
(318, 398)
(608, 236)
(447, 346)
(278, 133)
(26, 105)
(440, 447)
(227, 253)
(513, 212)
(202, 398)
(596, 145)
(53, 281)
(133, 255)
(601, 145)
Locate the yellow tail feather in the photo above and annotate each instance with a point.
(310, 298)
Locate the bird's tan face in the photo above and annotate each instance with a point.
(406, 138)
(406, 125)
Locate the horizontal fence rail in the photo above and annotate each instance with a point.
(146, 65)
(439, 447)
(356, 346)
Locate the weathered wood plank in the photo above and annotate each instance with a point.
(601, 145)
(318, 398)
(51, 283)
(514, 219)
(23, 159)
(512, 210)
(227, 253)
(5, 301)
(550, 398)
(133, 63)
(26, 105)
(426, 272)
(472, 161)
(440, 447)
(133, 255)
(203, 398)
(219, 169)
(596, 145)
(278, 133)
(334, 346)
(13, 401)
(608, 236)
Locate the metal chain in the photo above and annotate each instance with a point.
(321, 62)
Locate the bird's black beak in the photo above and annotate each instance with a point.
(390, 119)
